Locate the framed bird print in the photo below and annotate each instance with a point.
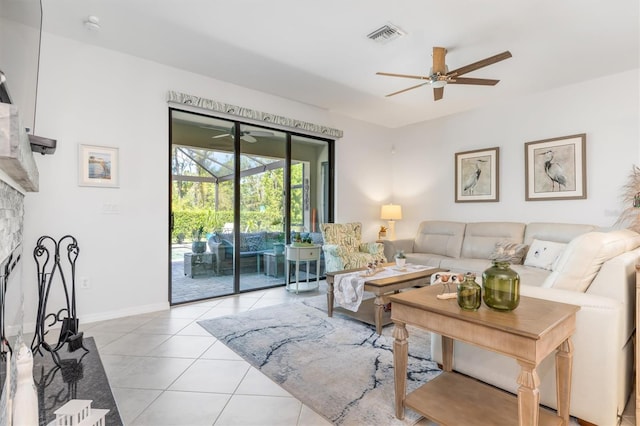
(477, 175)
(556, 169)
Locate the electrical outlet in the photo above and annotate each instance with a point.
(84, 282)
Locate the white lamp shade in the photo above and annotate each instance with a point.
(391, 212)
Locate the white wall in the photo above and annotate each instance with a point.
(606, 110)
(94, 96)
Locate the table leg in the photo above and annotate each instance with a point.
(329, 296)
(287, 280)
(379, 302)
(447, 353)
(400, 359)
(297, 274)
(564, 366)
(528, 395)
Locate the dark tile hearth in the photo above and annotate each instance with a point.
(80, 376)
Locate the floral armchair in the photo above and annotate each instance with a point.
(343, 248)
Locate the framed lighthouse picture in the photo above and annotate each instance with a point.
(556, 169)
(477, 177)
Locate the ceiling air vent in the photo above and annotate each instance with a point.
(386, 34)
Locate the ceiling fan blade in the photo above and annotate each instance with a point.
(438, 93)
(439, 65)
(224, 135)
(478, 81)
(418, 77)
(405, 90)
(249, 138)
(480, 64)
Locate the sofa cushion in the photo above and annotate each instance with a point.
(558, 232)
(509, 252)
(631, 238)
(439, 237)
(426, 259)
(464, 265)
(581, 261)
(543, 254)
(531, 276)
(251, 242)
(480, 238)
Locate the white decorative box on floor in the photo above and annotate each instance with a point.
(78, 412)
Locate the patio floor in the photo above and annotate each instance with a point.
(208, 285)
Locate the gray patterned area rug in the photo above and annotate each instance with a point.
(337, 366)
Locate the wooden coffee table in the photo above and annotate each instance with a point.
(531, 332)
(371, 311)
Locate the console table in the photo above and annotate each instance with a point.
(305, 254)
(528, 334)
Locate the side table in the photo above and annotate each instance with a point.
(305, 254)
(534, 330)
(195, 263)
(272, 261)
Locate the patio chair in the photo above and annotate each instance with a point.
(343, 248)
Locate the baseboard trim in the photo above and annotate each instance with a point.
(102, 316)
(135, 310)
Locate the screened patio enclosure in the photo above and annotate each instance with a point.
(237, 193)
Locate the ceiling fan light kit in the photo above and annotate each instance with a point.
(440, 75)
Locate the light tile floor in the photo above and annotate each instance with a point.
(165, 369)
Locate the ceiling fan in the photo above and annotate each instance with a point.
(440, 75)
(246, 135)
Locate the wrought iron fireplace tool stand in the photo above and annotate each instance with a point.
(65, 317)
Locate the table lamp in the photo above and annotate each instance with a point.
(391, 213)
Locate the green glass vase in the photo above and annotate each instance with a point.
(501, 287)
(469, 293)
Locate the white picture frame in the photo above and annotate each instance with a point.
(98, 166)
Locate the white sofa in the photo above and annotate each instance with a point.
(595, 270)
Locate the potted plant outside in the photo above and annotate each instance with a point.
(198, 246)
(278, 246)
(299, 241)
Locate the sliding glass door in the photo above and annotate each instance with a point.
(261, 206)
(238, 192)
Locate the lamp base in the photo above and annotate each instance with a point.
(391, 230)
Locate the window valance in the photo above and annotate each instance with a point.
(250, 114)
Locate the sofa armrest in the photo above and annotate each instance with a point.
(596, 312)
(391, 247)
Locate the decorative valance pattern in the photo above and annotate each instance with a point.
(247, 113)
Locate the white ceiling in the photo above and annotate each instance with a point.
(317, 52)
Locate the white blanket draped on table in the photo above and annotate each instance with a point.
(348, 289)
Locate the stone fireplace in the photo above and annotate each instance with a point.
(18, 175)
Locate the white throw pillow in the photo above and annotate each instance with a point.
(542, 254)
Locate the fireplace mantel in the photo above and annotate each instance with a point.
(16, 158)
